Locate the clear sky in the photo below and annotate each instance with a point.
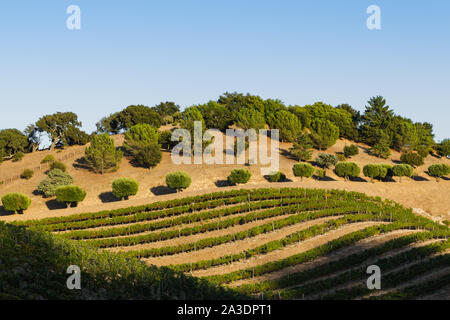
(191, 51)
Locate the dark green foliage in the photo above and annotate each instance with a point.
(271, 108)
(303, 170)
(250, 119)
(350, 151)
(324, 133)
(70, 194)
(423, 151)
(122, 188)
(167, 111)
(215, 115)
(320, 173)
(16, 202)
(165, 140)
(302, 148)
(381, 147)
(102, 154)
(12, 141)
(18, 156)
(375, 171)
(27, 174)
(75, 136)
(56, 178)
(48, 159)
(326, 160)
(58, 165)
(239, 176)
(141, 141)
(412, 158)
(347, 170)
(443, 148)
(376, 120)
(438, 171)
(288, 125)
(128, 117)
(178, 180)
(402, 170)
(277, 176)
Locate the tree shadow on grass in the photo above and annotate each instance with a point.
(107, 197)
(162, 190)
(81, 163)
(222, 183)
(55, 205)
(4, 212)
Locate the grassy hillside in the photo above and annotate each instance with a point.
(288, 243)
(33, 266)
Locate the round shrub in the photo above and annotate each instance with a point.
(58, 165)
(402, 170)
(124, 187)
(303, 170)
(16, 202)
(412, 158)
(347, 170)
(277, 176)
(326, 160)
(350, 151)
(239, 176)
(70, 195)
(372, 171)
(48, 159)
(438, 171)
(341, 157)
(320, 174)
(178, 180)
(18, 156)
(27, 174)
(56, 178)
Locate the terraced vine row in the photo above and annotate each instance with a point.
(267, 220)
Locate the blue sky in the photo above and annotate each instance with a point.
(191, 51)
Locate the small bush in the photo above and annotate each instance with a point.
(27, 174)
(58, 165)
(178, 180)
(56, 178)
(48, 159)
(239, 176)
(341, 157)
(320, 174)
(326, 160)
(412, 158)
(125, 187)
(438, 171)
(303, 170)
(423, 151)
(347, 170)
(18, 156)
(70, 194)
(16, 202)
(350, 151)
(277, 176)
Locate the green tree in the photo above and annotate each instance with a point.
(302, 148)
(250, 119)
(372, 171)
(123, 188)
(128, 117)
(165, 139)
(303, 170)
(167, 110)
(59, 126)
(350, 151)
(178, 180)
(438, 171)
(141, 141)
(326, 160)
(70, 195)
(347, 170)
(102, 155)
(12, 141)
(402, 170)
(277, 176)
(412, 158)
(377, 118)
(381, 148)
(16, 202)
(271, 108)
(215, 115)
(443, 148)
(324, 133)
(288, 125)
